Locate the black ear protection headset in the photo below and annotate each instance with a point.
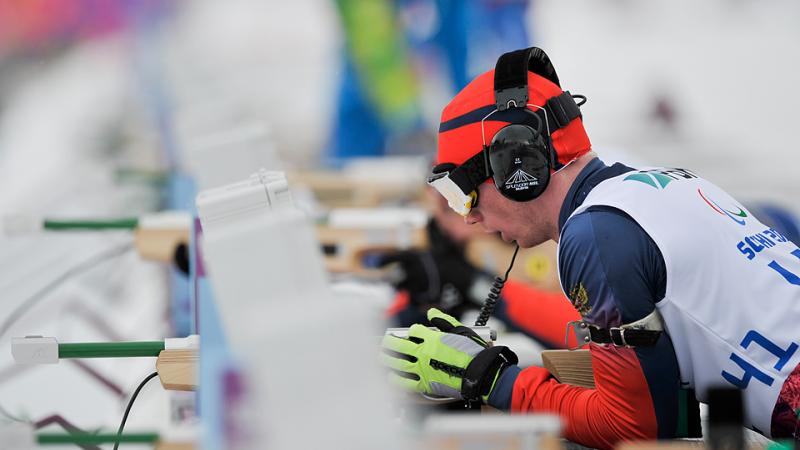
(520, 156)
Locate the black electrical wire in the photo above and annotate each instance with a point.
(130, 404)
(494, 294)
(42, 293)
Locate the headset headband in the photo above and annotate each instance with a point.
(511, 76)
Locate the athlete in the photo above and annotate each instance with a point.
(679, 287)
(442, 276)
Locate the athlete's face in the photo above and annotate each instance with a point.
(515, 221)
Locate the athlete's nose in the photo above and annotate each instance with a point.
(473, 217)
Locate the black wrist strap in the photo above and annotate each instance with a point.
(624, 337)
(481, 371)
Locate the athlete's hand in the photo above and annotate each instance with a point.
(451, 361)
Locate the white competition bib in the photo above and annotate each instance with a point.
(732, 303)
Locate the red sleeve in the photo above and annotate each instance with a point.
(543, 314)
(619, 408)
(401, 302)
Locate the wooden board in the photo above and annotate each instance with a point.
(337, 189)
(534, 265)
(173, 446)
(570, 366)
(177, 369)
(685, 444)
(159, 244)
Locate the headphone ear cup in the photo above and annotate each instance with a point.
(527, 181)
(520, 162)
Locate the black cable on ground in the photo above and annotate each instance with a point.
(42, 293)
(130, 404)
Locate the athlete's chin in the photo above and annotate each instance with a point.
(527, 242)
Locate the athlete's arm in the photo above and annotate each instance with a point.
(615, 275)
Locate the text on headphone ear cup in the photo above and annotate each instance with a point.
(520, 162)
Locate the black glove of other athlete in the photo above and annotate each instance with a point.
(440, 276)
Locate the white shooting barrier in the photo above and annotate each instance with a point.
(307, 357)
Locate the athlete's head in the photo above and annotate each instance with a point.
(499, 147)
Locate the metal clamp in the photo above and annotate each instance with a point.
(518, 96)
(582, 335)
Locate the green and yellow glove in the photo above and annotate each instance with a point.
(452, 361)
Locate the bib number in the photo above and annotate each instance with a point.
(750, 371)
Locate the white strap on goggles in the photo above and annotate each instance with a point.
(456, 198)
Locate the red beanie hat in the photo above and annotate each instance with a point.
(460, 126)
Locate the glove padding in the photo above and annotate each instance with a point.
(456, 363)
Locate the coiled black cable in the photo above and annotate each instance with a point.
(494, 294)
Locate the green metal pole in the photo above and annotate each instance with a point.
(126, 223)
(94, 439)
(110, 349)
